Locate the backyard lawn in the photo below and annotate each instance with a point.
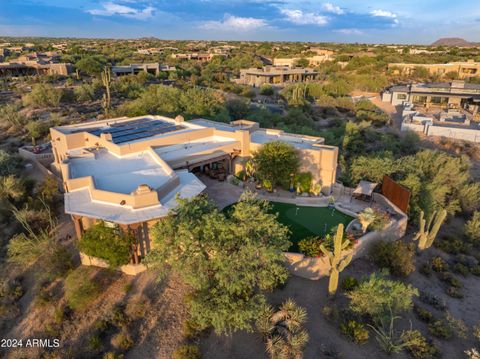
(307, 221)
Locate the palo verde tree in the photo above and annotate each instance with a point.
(428, 230)
(337, 262)
(229, 259)
(276, 162)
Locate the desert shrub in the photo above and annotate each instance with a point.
(94, 342)
(423, 314)
(378, 297)
(397, 256)
(118, 316)
(451, 245)
(475, 270)
(80, 290)
(440, 329)
(433, 300)
(454, 292)
(449, 279)
(43, 297)
(112, 355)
(188, 351)
(355, 331)
(10, 290)
(59, 263)
(461, 269)
(426, 269)
(472, 228)
(303, 182)
(310, 246)
(476, 332)
(266, 90)
(418, 346)
(349, 283)
(191, 330)
(123, 341)
(439, 264)
(380, 221)
(43, 95)
(106, 243)
(331, 312)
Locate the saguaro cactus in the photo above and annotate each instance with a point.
(335, 258)
(428, 232)
(106, 96)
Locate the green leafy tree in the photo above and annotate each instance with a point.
(276, 162)
(107, 243)
(43, 95)
(91, 65)
(229, 260)
(379, 297)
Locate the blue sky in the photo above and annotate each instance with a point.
(371, 21)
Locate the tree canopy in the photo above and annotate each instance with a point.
(276, 162)
(228, 259)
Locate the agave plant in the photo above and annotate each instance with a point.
(283, 331)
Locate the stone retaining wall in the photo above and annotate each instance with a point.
(316, 268)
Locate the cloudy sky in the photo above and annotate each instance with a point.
(371, 21)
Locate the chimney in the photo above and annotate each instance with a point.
(107, 136)
(179, 119)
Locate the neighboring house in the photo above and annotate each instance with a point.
(31, 68)
(450, 123)
(128, 171)
(278, 76)
(448, 95)
(152, 68)
(204, 57)
(463, 70)
(312, 60)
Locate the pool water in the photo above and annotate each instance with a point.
(305, 221)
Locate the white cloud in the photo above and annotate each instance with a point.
(304, 18)
(386, 14)
(349, 31)
(111, 8)
(383, 13)
(235, 23)
(334, 9)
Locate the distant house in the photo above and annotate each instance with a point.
(278, 76)
(462, 69)
(446, 95)
(197, 56)
(31, 68)
(133, 69)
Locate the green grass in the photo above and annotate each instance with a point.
(306, 221)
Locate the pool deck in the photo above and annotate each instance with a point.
(225, 194)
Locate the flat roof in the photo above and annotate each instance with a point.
(263, 136)
(79, 202)
(119, 174)
(188, 151)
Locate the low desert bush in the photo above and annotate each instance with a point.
(439, 264)
(433, 300)
(454, 292)
(423, 314)
(188, 351)
(418, 346)
(355, 331)
(80, 289)
(447, 327)
(461, 269)
(449, 279)
(123, 341)
(397, 256)
(310, 246)
(426, 269)
(94, 342)
(349, 283)
(59, 263)
(440, 329)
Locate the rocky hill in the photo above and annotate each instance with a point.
(454, 41)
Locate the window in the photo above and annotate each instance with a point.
(401, 96)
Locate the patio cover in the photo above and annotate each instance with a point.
(365, 188)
